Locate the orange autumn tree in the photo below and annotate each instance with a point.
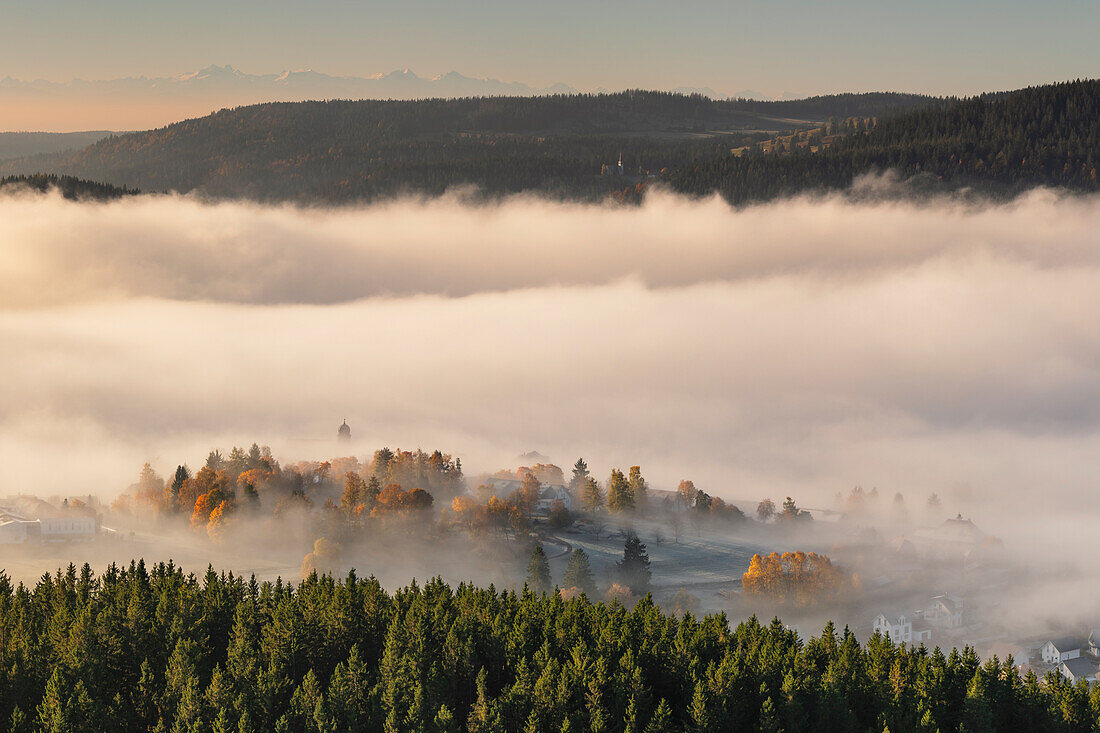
(215, 527)
(796, 578)
(394, 499)
(204, 507)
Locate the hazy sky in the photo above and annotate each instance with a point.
(773, 47)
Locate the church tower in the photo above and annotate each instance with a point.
(344, 433)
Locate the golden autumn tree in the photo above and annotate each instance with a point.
(204, 507)
(219, 518)
(796, 578)
(325, 558)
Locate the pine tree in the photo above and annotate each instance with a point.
(445, 721)
(580, 476)
(634, 567)
(374, 488)
(54, 715)
(578, 574)
(538, 572)
(661, 720)
(173, 490)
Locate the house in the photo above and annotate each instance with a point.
(1094, 643)
(67, 528)
(897, 627)
(922, 631)
(955, 537)
(504, 486)
(1060, 650)
(13, 532)
(945, 612)
(1078, 668)
(550, 494)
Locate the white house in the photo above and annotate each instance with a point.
(944, 612)
(70, 527)
(13, 532)
(552, 493)
(1078, 668)
(897, 627)
(1060, 650)
(1094, 643)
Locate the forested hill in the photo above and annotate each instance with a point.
(70, 187)
(568, 146)
(998, 144)
(355, 150)
(142, 649)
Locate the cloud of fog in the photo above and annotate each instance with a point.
(182, 249)
(793, 348)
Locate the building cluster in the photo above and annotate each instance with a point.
(944, 612)
(1071, 658)
(66, 526)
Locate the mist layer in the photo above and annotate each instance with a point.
(795, 348)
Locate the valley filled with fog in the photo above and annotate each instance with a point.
(793, 349)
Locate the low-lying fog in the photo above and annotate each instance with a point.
(800, 347)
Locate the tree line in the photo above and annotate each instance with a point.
(140, 649)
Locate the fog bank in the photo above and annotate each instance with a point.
(797, 348)
(179, 248)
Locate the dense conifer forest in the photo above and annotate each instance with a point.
(998, 144)
(69, 186)
(140, 649)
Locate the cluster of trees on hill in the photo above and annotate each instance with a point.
(339, 151)
(69, 187)
(998, 144)
(251, 483)
(140, 649)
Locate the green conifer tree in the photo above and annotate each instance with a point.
(578, 573)
(538, 572)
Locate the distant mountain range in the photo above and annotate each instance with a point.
(295, 85)
(133, 103)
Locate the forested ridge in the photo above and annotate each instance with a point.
(568, 146)
(998, 144)
(336, 151)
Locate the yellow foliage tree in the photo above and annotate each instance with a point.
(797, 578)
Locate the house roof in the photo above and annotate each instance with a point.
(1065, 644)
(949, 603)
(1079, 667)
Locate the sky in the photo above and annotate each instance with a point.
(767, 46)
